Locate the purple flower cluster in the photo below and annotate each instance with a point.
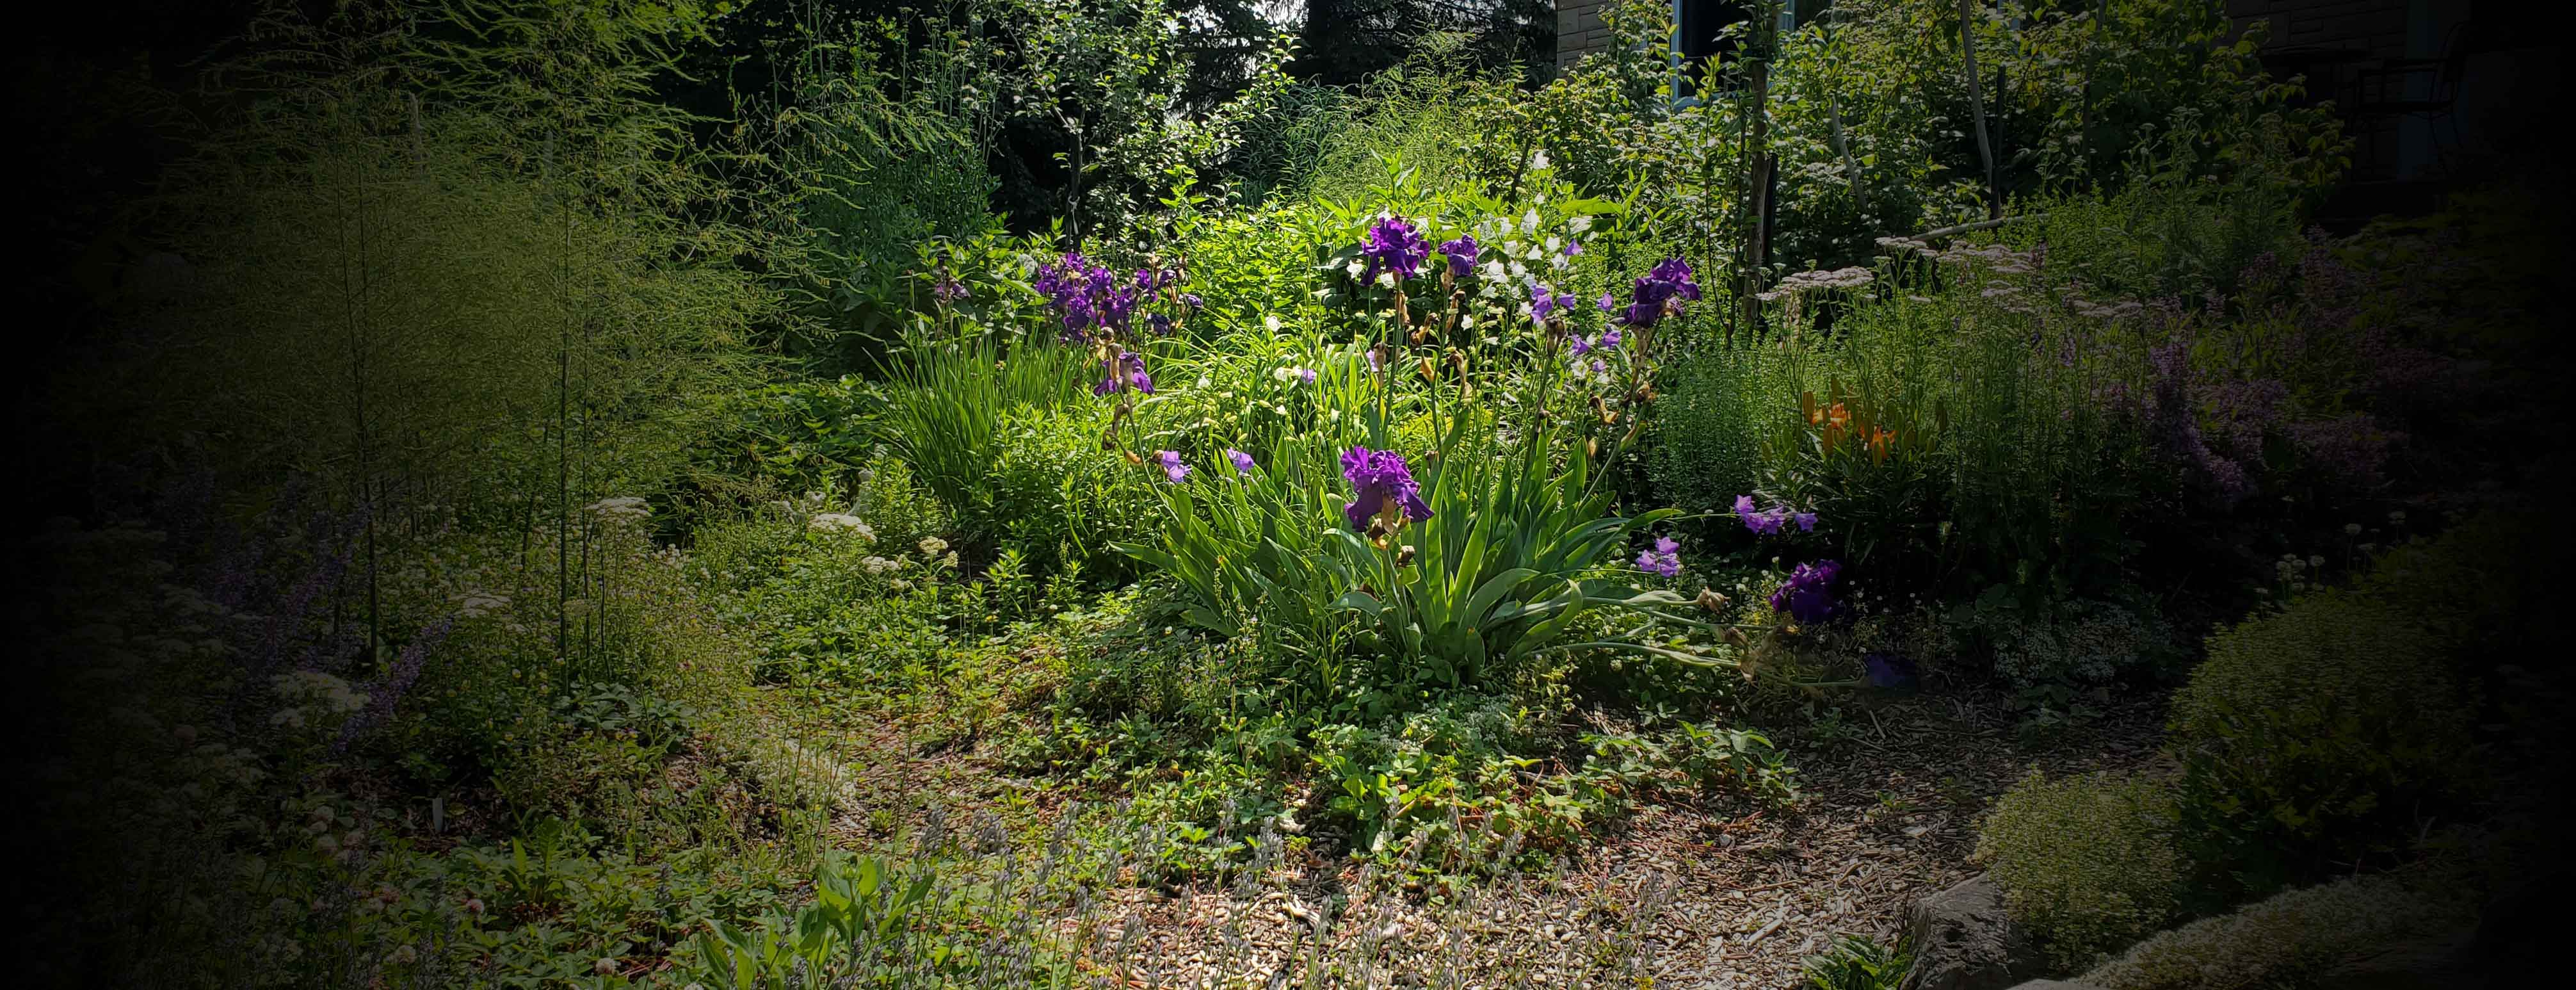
(1381, 484)
(1771, 521)
(1173, 470)
(1393, 246)
(2352, 449)
(1124, 372)
(384, 693)
(1664, 559)
(946, 288)
(1808, 595)
(1091, 298)
(1544, 299)
(1660, 293)
(1462, 254)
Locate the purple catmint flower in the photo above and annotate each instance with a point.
(1173, 470)
(2350, 449)
(1381, 485)
(383, 694)
(1393, 246)
(1462, 254)
(1122, 373)
(1242, 461)
(1808, 595)
(1664, 559)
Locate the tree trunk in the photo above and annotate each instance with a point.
(1977, 108)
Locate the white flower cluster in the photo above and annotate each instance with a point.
(621, 507)
(316, 695)
(842, 522)
(1839, 278)
(881, 565)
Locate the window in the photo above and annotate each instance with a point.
(1699, 24)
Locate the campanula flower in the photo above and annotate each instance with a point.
(1242, 461)
(1610, 337)
(1173, 469)
(1664, 559)
(1382, 485)
(1806, 522)
(1582, 345)
(1544, 299)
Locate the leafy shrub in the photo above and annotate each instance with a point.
(2316, 736)
(2293, 937)
(1061, 498)
(2088, 862)
(1856, 962)
(2059, 643)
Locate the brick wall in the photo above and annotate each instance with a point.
(1579, 30)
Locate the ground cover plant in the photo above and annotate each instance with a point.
(1032, 493)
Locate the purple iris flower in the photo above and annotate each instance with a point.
(1808, 595)
(1173, 469)
(1393, 245)
(1124, 372)
(1381, 484)
(1664, 559)
(1162, 324)
(1088, 296)
(1659, 293)
(947, 288)
(1462, 254)
(1242, 461)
